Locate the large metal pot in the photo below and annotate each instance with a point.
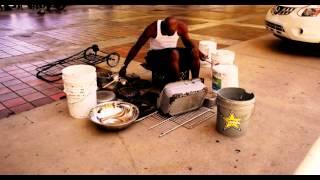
(114, 115)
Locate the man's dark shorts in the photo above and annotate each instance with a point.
(158, 60)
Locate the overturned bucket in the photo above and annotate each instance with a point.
(235, 107)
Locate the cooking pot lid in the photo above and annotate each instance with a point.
(141, 84)
(105, 96)
(128, 92)
(132, 76)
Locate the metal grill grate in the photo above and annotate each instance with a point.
(166, 124)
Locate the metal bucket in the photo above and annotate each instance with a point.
(235, 107)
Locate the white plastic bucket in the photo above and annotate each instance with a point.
(80, 86)
(223, 57)
(224, 76)
(208, 48)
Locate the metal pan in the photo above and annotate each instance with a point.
(105, 96)
(128, 92)
(114, 115)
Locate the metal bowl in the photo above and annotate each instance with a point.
(114, 115)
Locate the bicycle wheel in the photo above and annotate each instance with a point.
(90, 52)
(113, 59)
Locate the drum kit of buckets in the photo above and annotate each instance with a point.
(224, 71)
(234, 105)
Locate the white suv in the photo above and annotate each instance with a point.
(295, 22)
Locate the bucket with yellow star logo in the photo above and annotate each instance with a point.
(235, 107)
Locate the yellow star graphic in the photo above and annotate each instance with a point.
(232, 122)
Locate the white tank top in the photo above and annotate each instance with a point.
(163, 41)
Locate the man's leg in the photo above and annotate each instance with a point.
(189, 60)
(195, 63)
(174, 64)
(166, 61)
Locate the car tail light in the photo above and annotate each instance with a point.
(310, 11)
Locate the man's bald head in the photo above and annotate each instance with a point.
(171, 24)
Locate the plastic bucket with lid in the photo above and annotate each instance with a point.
(223, 57)
(208, 48)
(224, 76)
(235, 107)
(80, 86)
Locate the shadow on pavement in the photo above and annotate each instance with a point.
(296, 48)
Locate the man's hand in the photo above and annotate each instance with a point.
(123, 71)
(202, 56)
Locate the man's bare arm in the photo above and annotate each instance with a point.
(184, 34)
(147, 33)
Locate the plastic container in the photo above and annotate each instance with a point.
(224, 76)
(235, 107)
(208, 48)
(223, 57)
(80, 86)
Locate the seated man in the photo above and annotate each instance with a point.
(164, 54)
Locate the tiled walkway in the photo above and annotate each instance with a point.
(20, 90)
(30, 41)
(13, 47)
